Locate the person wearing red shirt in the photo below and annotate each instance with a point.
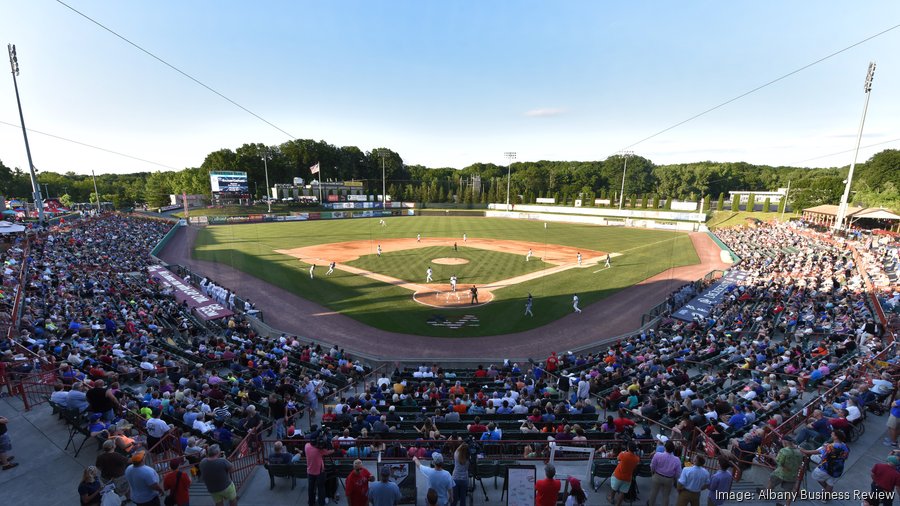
(621, 423)
(886, 480)
(547, 490)
(477, 427)
(552, 362)
(356, 486)
(480, 372)
(182, 492)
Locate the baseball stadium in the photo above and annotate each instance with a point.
(386, 297)
(450, 254)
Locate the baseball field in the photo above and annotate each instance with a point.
(389, 289)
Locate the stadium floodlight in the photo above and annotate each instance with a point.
(35, 186)
(264, 153)
(383, 153)
(842, 208)
(626, 154)
(510, 156)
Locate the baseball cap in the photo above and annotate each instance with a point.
(437, 458)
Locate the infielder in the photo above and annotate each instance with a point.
(418, 237)
(378, 250)
(465, 238)
(453, 283)
(575, 303)
(607, 260)
(528, 302)
(579, 258)
(330, 268)
(382, 223)
(528, 256)
(428, 275)
(311, 269)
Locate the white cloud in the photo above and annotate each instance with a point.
(544, 112)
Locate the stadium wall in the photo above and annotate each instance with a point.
(684, 226)
(599, 211)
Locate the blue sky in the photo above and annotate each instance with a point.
(450, 83)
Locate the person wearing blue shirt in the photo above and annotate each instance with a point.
(492, 434)
(692, 481)
(737, 420)
(438, 479)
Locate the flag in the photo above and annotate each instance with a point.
(315, 168)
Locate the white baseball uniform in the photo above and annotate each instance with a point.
(428, 275)
(311, 269)
(452, 283)
(330, 268)
(579, 259)
(418, 237)
(528, 256)
(378, 250)
(575, 304)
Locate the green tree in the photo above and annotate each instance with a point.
(766, 204)
(644, 201)
(751, 202)
(735, 203)
(720, 205)
(669, 200)
(781, 203)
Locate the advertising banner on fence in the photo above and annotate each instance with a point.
(700, 305)
(404, 475)
(206, 307)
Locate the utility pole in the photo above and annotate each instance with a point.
(383, 153)
(265, 158)
(35, 186)
(626, 154)
(786, 195)
(97, 193)
(842, 209)
(510, 156)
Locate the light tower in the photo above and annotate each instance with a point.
(510, 156)
(842, 208)
(626, 154)
(35, 186)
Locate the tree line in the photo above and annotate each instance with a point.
(875, 183)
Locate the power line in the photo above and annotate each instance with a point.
(754, 90)
(849, 150)
(173, 67)
(92, 146)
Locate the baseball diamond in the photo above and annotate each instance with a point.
(381, 276)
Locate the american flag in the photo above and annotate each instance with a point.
(315, 168)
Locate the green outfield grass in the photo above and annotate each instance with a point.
(484, 266)
(723, 219)
(250, 248)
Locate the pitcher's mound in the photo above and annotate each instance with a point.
(452, 300)
(449, 261)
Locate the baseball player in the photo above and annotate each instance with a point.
(382, 223)
(575, 303)
(330, 268)
(528, 302)
(378, 250)
(418, 237)
(579, 258)
(528, 256)
(465, 238)
(607, 260)
(453, 283)
(312, 268)
(428, 275)
(474, 292)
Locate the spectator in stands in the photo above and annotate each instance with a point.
(356, 486)
(493, 433)
(102, 400)
(816, 430)
(111, 465)
(830, 458)
(77, 400)
(156, 430)
(178, 483)
(885, 481)
(143, 481)
(460, 474)
(315, 470)
(384, 492)
(666, 469)
(720, 484)
(787, 467)
(438, 479)
(547, 489)
(89, 488)
(620, 481)
(693, 480)
(216, 472)
(279, 455)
